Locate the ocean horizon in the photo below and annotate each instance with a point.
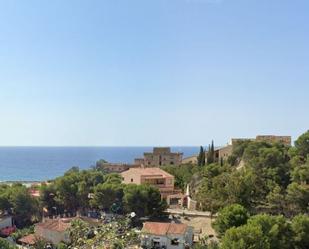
(40, 163)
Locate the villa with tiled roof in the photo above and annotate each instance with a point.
(166, 235)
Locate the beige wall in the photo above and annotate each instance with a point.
(131, 177)
(287, 140)
(225, 152)
(162, 159)
(161, 156)
(118, 168)
(164, 184)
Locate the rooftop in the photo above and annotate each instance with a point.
(59, 225)
(148, 172)
(29, 239)
(158, 228)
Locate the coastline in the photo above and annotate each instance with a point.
(26, 183)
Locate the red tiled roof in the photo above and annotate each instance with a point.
(28, 240)
(158, 228)
(59, 225)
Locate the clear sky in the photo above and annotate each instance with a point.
(152, 72)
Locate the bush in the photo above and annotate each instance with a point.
(231, 216)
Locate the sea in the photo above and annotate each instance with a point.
(30, 164)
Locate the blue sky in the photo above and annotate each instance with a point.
(155, 72)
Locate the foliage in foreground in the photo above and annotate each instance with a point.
(262, 231)
(4, 244)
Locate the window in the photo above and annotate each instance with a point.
(131, 179)
(175, 242)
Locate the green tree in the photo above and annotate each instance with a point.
(117, 245)
(4, 244)
(245, 237)
(73, 189)
(5, 204)
(211, 153)
(275, 228)
(62, 245)
(100, 164)
(144, 200)
(106, 194)
(231, 216)
(300, 227)
(183, 174)
(297, 198)
(276, 201)
(48, 194)
(302, 145)
(201, 157)
(113, 178)
(78, 233)
(300, 173)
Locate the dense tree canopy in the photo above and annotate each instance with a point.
(231, 216)
(78, 190)
(245, 237)
(183, 174)
(144, 200)
(300, 227)
(17, 201)
(4, 244)
(262, 177)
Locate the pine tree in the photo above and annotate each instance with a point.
(212, 147)
(204, 159)
(211, 153)
(201, 157)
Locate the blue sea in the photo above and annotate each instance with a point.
(43, 163)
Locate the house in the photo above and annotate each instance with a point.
(54, 230)
(166, 235)
(51, 230)
(153, 176)
(161, 156)
(5, 221)
(6, 225)
(117, 167)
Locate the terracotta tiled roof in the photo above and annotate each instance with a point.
(158, 228)
(29, 239)
(148, 172)
(59, 225)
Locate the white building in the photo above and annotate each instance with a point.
(5, 221)
(166, 235)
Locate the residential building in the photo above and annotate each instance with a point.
(153, 176)
(161, 156)
(166, 235)
(118, 167)
(54, 230)
(5, 221)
